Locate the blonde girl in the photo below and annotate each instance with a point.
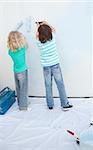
(17, 50)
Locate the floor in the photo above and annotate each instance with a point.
(43, 129)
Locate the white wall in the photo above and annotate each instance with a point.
(73, 33)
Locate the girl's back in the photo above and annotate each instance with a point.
(48, 53)
(19, 59)
(17, 50)
(47, 45)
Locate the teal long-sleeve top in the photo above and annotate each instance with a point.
(19, 59)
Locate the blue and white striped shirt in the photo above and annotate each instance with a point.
(48, 53)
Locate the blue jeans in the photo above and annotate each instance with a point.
(49, 73)
(21, 81)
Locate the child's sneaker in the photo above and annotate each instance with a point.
(29, 109)
(23, 109)
(50, 108)
(66, 108)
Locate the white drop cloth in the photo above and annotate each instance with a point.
(43, 129)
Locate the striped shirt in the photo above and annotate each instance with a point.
(48, 53)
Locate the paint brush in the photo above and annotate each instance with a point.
(74, 135)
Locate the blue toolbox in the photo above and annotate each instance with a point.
(7, 98)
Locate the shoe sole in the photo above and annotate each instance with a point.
(66, 109)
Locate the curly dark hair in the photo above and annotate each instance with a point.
(45, 33)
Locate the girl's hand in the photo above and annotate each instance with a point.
(37, 35)
(37, 24)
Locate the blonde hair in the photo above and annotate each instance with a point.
(16, 40)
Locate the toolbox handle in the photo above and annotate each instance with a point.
(5, 89)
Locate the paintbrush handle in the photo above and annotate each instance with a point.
(73, 134)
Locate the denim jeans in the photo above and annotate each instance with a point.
(49, 73)
(21, 81)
